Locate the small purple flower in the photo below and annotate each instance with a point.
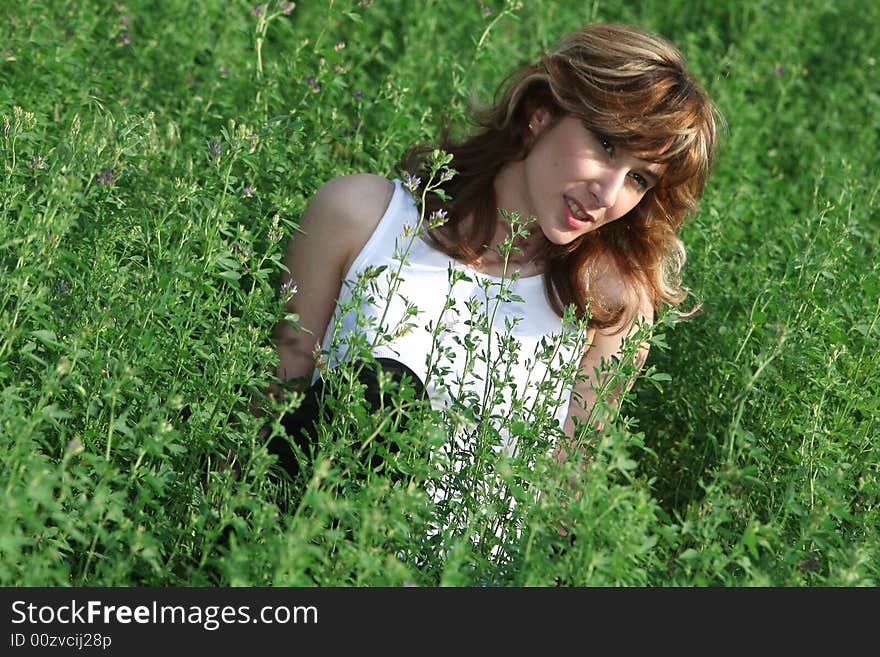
(286, 7)
(124, 39)
(366, 3)
(39, 162)
(62, 287)
(214, 148)
(358, 94)
(256, 11)
(338, 68)
(74, 445)
(108, 177)
(437, 218)
(311, 80)
(779, 71)
(487, 10)
(411, 182)
(339, 45)
(247, 191)
(287, 290)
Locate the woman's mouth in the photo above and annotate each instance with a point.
(577, 217)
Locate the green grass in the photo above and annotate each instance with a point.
(136, 305)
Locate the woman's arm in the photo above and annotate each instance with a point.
(599, 362)
(336, 225)
(596, 369)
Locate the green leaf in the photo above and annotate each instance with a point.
(689, 555)
(48, 338)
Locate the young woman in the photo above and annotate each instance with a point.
(605, 142)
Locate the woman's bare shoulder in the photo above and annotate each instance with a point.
(343, 214)
(607, 282)
(353, 200)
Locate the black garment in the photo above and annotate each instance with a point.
(301, 424)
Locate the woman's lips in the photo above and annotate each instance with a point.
(576, 215)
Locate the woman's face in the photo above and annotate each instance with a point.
(575, 180)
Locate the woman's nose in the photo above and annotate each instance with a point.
(607, 186)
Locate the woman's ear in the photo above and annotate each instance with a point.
(539, 120)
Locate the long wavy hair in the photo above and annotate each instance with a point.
(624, 83)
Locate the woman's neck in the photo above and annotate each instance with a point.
(527, 255)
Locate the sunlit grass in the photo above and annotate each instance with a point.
(155, 161)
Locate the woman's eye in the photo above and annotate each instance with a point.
(606, 145)
(639, 180)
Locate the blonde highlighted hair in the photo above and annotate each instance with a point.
(630, 86)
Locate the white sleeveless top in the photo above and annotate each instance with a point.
(438, 308)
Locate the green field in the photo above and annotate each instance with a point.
(156, 156)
